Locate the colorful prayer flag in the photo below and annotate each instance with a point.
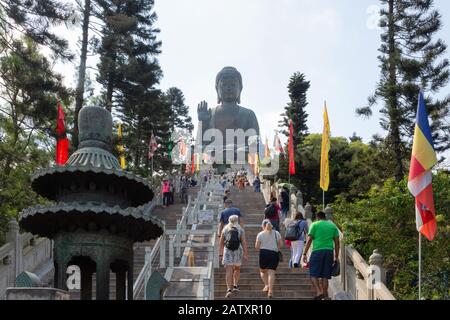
(420, 176)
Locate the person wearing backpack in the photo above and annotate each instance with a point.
(225, 215)
(295, 232)
(233, 249)
(268, 242)
(272, 213)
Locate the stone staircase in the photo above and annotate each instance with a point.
(290, 284)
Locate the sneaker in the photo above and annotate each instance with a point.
(236, 288)
(229, 293)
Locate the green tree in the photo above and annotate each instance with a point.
(385, 219)
(354, 168)
(34, 20)
(296, 109)
(410, 58)
(29, 92)
(180, 111)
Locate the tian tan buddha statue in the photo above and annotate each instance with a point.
(228, 114)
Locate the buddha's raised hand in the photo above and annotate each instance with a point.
(203, 112)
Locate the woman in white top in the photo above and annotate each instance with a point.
(234, 250)
(268, 242)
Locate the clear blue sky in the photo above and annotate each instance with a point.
(332, 42)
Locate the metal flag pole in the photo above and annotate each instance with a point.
(323, 194)
(420, 266)
(152, 168)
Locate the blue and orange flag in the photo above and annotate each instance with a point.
(420, 176)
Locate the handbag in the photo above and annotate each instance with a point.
(336, 270)
(280, 254)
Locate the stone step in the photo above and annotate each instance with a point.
(253, 294)
(287, 281)
(258, 287)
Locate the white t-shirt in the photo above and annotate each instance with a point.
(268, 241)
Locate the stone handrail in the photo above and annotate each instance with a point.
(151, 255)
(22, 252)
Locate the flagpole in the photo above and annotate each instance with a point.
(152, 169)
(420, 266)
(323, 194)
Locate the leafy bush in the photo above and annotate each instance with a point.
(385, 219)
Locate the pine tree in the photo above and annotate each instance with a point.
(296, 108)
(129, 72)
(180, 112)
(296, 111)
(34, 20)
(29, 91)
(410, 59)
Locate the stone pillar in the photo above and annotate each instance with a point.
(86, 282)
(13, 236)
(102, 285)
(308, 211)
(60, 274)
(130, 280)
(293, 205)
(329, 212)
(376, 263)
(121, 284)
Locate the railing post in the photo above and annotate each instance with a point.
(377, 274)
(162, 252)
(171, 253)
(178, 240)
(308, 211)
(329, 212)
(148, 251)
(13, 236)
(184, 225)
(206, 288)
(343, 258)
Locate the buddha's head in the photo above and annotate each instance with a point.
(229, 85)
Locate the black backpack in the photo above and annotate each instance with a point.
(232, 240)
(270, 211)
(293, 231)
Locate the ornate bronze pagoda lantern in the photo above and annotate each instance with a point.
(97, 214)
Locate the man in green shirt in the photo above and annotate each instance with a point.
(324, 236)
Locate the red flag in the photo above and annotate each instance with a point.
(291, 149)
(193, 163)
(62, 144)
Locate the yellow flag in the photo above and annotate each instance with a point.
(121, 148)
(324, 164)
(267, 150)
(256, 164)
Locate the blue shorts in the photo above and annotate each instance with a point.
(321, 264)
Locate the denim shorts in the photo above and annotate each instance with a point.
(321, 264)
